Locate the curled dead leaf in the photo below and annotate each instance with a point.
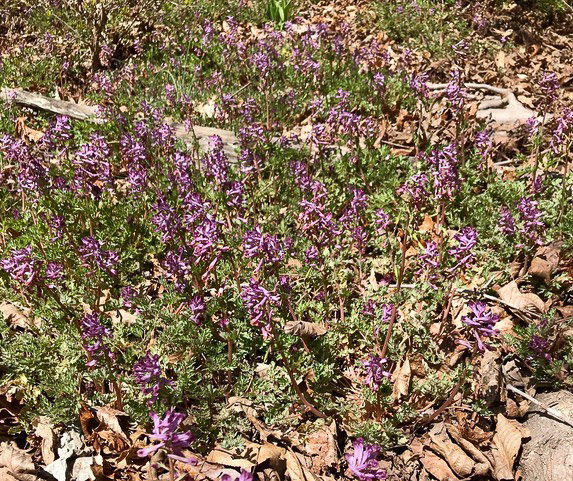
(528, 303)
(401, 378)
(506, 445)
(304, 329)
(545, 261)
(462, 465)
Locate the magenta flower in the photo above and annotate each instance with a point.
(506, 222)
(375, 372)
(362, 462)
(92, 255)
(147, 372)
(260, 303)
(94, 333)
(164, 432)
(22, 266)
(463, 253)
(482, 320)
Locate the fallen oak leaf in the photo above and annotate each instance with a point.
(17, 465)
(401, 378)
(506, 445)
(528, 303)
(304, 329)
(546, 261)
(462, 465)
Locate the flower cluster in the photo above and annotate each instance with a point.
(166, 435)
(375, 371)
(482, 321)
(93, 334)
(463, 253)
(362, 461)
(94, 257)
(260, 303)
(147, 373)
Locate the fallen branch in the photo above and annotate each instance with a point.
(552, 412)
(505, 110)
(90, 113)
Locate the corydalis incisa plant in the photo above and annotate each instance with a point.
(166, 436)
(362, 461)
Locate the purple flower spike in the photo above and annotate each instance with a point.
(93, 334)
(375, 371)
(164, 431)
(506, 222)
(21, 266)
(147, 372)
(482, 321)
(362, 462)
(467, 239)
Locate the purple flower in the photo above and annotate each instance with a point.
(539, 345)
(94, 333)
(549, 86)
(92, 165)
(506, 222)
(128, 294)
(22, 266)
(362, 462)
(454, 91)
(430, 256)
(369, 308)
(165, 219)
(444, 168)
(263, 246)
(382, 222)
(414, 189)
(317, 223)
(532, 125)
(198, 307)
(260, 303)
(482, 320)
(531, 217)
(164, 432)
(147, 373)
(563, 127)
(467, 239)
(54, 273)
(375, 372)
(419, 83)
(93, 256)
(483, 143)
(216, 163)
(312, 256)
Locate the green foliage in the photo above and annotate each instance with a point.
(279, 11)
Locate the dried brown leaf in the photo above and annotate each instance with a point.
(462, 465)
(45, 430)
(224, 457)
(401, 378)
(437, 467)
(482, 466)
(17, 465)
(506, 445)
(528, 303)
(322, 448)
(491, 376)
(546, 261)
(304, 329)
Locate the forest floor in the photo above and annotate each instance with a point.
(336, 247)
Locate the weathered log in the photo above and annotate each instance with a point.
(89, 113)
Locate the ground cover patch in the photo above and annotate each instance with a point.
(366, 272)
